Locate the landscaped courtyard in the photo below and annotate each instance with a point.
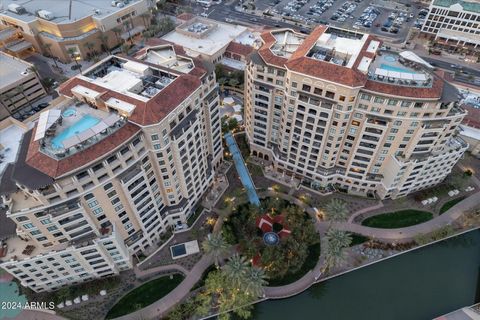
(277, 236)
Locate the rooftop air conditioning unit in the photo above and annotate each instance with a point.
(97, 12)
(120, 5)
(114, 3)
(44, 14)
(15, 8)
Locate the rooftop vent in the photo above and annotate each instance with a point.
(15, 8)
(44, 14)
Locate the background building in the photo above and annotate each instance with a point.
(214, 41)
(20, 85)
(454, 25)
(332, 108)
(124, 155)
(62, 28)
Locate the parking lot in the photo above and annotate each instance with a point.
(383, 18)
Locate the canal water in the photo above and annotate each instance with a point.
(419, 285)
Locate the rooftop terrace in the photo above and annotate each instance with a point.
(286, 43)
(134, 79)
(74, 127)
(392, 68)
(337, 46)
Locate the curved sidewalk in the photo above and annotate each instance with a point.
(161, 307)
(409, 233)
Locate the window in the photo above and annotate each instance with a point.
(45, 221)
(330, 94)
(366, 97)
(154, 137)
(306, 87)
(379, 100)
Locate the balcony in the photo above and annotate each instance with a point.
(331, 171)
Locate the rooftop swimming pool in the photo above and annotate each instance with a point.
(393, 68)
(86, 122)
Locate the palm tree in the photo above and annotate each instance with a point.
(255, 280)
(117, 32)
(145, 16)
(334, 242)
(216, 245)
(73, 55)
(104, 40)
(126, 24)
(235, 269)
(89, 46)
(48, 46)
(336, 210)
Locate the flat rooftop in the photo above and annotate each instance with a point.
(165, 56)
(131, 78)
(12, 69)
(60, 9)
(203, 36)
(10, 138)
(338, 47)
(286, 43)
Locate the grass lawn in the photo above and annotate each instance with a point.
(194, 216)
(309, 264)
(144, 295)
(397, 219)
(450, 204)
(358, 239)
(255, 170)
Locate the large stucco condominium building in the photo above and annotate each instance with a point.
(454, 25)
(333, 108)
(66, 28)
(122, 158)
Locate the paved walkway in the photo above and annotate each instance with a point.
(37, 315)
(409, 233)
(161, 307)
(362, 211)
(171, 267)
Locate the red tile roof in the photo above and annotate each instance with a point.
(56, 168)
(472, 119)
(238, 48)
(299, 62)
(185, 16)
(152, 111)
(434, 92)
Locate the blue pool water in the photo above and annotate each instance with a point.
(178, 250)
(9, 293)
(242, 170)
(86, 122)
(69, 112)
(393, 68)
(390, 58)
